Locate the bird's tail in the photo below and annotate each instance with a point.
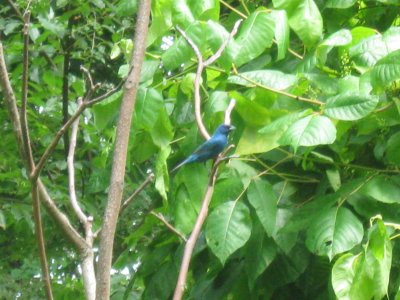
(187, 160)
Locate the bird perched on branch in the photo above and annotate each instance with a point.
(210, 148)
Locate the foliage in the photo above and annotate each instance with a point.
(308, 211)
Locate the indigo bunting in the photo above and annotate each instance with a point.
(210, 148)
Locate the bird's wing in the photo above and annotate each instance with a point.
(212, 145)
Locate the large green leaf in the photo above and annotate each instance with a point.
(262, 197)
(365, 275)
(270, 78)
(306, 21)
(228, 229)
(282, 32)
(383, 189)
(386, 70)
(149, 103)
(339, 38)
(255, 35)
(180, 52)
(309, 131)
(368, 51)
(251, 141)
(261, 251)
(334, 231)
(350, 106)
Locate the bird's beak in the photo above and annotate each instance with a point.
(232, 128)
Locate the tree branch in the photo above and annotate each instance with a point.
(121, 146)
(201, 65)
(11, 105)
(145, 183)
(71, 170)
(168, 225)
(30, 162)
(191, 242)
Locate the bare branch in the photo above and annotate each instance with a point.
(71, 170)
(30, 163)
(121, 147)
(191, 242)
(221, 49)
(228, 112)
(200, 67)
(168, 225)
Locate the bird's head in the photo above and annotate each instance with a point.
(224, 129)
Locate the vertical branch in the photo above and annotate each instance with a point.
(121, 147)
(191, 242)
(201, 64)
(28, 154)
(71, 170)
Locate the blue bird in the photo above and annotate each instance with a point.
(210, 148)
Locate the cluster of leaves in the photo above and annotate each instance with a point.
(309, 211)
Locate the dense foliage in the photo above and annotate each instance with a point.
(310, 209)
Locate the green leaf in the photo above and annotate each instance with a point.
(2, 220)
(161, 20)
(189, 192)
(273, 79)
(379, 255)
(181, 52)
(181, 13)
(369, 50)
(282, 32)
(262, 197)
(149, 103)
(205, 9)
(255, 35)
(306, 21)
(126, 8)
(309, 131)
(251, 141)
(366, 275)
(334, 178)
(340, 3)
(228, 229)
(386, 70)
(339, 38)
(162, 178)
(392, 150)
(350, 107)
(334, 231)
(261, 251)
(383, 189)
(106, 111)
(343, 273)
(53, 25)
(282, 124)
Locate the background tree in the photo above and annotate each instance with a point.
(309, 210)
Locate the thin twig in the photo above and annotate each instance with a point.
(145, 183)
(16, 9)
(200, 67)
(221, 49)
(228, 111)
(168, 225)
